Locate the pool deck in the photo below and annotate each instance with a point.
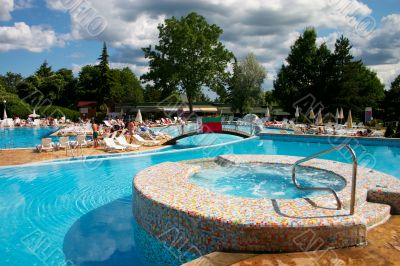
(29, 155)
(164, 197)
(383, 249)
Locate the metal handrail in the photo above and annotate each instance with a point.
(354, 175)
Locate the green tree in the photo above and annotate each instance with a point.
(334, 79)
(10, 81)
(247, 80)
(104, 89)
(392, 101)
(44, 71)
(89, 83)
(152, 94)
(125, 87)
(296, 79)
(69, 98)
(188, 56)
(269, 97)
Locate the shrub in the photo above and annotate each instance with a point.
(389, 133)
(57, 112)
(15, 106)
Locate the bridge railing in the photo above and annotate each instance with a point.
(239, 126)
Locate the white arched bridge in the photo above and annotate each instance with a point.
(240, 129)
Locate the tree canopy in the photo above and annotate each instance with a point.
(392, 101)
(188, 56)
(246, 84)
(335, 79)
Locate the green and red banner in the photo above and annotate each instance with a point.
(211, 124)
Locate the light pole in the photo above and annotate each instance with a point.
(4, 101)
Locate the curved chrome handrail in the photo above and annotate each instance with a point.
(353, 182)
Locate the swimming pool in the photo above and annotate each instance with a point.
(81, 211)
(23, 137)
(272, 181)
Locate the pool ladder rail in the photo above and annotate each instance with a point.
(354, 175)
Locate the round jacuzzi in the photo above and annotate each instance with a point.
(272, 181)
(248, 203)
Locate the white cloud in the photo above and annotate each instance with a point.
(387, 73)
(266, 28)
(31, 38)
(6, 7)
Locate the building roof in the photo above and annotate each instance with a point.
(86, 103)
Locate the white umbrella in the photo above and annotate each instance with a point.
(349, 120)
(297, 114)
(34, 115)
(320, 121)
(267, 114)
(341, 115)
(4, 114)
(312, 115)
(139, 117)
(337, 116)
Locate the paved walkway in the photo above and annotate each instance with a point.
(383, 249)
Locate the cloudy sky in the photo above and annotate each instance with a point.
(69, 33)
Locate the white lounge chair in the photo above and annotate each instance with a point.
(122, 141)
(63, 143)
(145, 142)
(47, 145)
(107, 123)
(110, 145)
(80, 142)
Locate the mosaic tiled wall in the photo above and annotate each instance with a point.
(202, 221)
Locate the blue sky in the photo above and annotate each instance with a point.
(34, 31)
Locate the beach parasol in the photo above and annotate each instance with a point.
(312, 115)
(349, 120)
(139, 117)
(341, 115)
(34, 115)
(337, 116)
(320, 121)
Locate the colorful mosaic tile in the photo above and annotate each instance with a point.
(164, 199)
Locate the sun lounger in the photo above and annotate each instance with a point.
(107, 123)
(110, 145)
(47, 145)
(122, 141)
(63, 143)
(80, 142)
(145, 142)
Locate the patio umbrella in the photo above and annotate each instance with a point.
(337, 116)
(349, 120)
(267, 114)
(320, 121)
(341, 115)
(34, 115)
(139, 117)
(312, 115)
(297, 114)
(4, 114)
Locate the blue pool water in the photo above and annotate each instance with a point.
(81, 211)
(11, 138)
(272, 181)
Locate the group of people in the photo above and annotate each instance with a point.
(130, 128)
(34, 122)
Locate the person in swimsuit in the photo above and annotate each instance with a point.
(95, 128)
